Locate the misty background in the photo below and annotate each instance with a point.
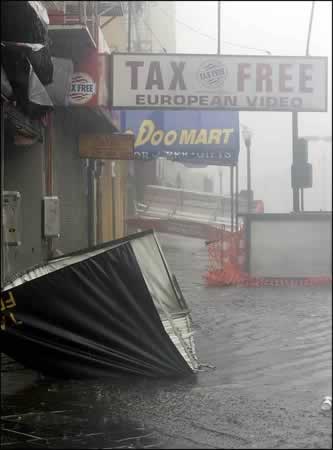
(281, 28)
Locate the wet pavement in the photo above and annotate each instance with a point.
(272, 352)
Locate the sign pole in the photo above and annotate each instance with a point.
(232, 197)
(307, 54)
(219, 52)
(295, 137)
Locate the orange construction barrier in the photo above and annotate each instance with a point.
(226, 260)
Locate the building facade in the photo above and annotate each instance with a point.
(55, 201)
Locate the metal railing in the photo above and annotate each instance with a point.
(75, 13)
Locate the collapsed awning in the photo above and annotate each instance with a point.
(109, 311)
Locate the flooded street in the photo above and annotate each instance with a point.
(268, 353)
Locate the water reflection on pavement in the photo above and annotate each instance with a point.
(272, 351)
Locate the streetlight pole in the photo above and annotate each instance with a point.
(248, 154)
(296, 190)
(219, 52)
(247, 136)
(307, 54)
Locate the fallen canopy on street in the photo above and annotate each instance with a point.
(111, 310)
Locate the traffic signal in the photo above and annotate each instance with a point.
(301, 170)
(301, 175)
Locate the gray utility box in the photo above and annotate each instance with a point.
(51, 214)
(12, 218)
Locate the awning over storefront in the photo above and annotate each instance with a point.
(26, 60)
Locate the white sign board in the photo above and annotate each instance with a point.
(241, 83)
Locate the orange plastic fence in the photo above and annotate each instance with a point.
(226, 259)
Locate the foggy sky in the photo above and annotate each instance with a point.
(280, 27)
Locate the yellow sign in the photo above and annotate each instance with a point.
(107, 146)
(149, 133)
(7, 318)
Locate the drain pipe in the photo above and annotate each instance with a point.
(49, 174)
(2, 192)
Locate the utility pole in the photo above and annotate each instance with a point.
(296, 190)
(219, 52)
(307, 54)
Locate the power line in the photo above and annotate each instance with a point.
(188, 26)
(150, 29)
(154, 35)
(212, 37)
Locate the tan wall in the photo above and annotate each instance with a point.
(115, 33)
(113, 191)
(112, 204)
(120, 198)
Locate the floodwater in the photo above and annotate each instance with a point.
(271, 349)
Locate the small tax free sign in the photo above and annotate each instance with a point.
(208, 82)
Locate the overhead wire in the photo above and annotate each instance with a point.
(213, 38)
(135, 17)
(154, 35)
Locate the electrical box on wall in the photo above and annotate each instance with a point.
(11, 217)
(51, 216)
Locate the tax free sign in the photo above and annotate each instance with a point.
(217, 82)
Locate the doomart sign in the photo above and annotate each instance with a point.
(210, 137)
(215, 82)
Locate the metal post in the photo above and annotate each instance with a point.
(219, 52)
(236, 197)
(310, 28)
(49, 172)
(307, 54)
(302, 199)
(295, 137)
(91, 199)
(221, 192)
(232, 196)
(248, 153)
(113, 187)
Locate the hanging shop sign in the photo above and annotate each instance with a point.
(208, 82)
(107, 146)
(89, 81)
(209, 137)
(83, 89)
